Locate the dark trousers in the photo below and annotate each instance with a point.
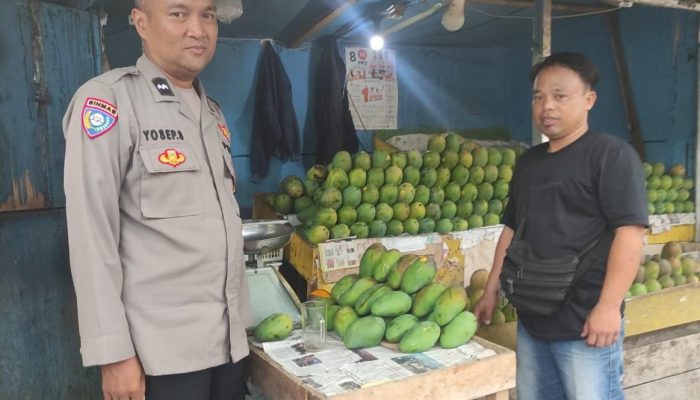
(225, 382)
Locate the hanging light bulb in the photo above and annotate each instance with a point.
(376, 42)
(453, 19)
(228, 10)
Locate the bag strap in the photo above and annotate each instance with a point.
(585, 262)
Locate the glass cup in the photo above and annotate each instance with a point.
(313, 324)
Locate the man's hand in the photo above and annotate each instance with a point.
(602, 326)
(483, 310)
(124, 380)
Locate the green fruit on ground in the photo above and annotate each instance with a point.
(478, 279)
(342, 160)
(420, 338)
(417, 210)
(317, 173)
(475, 221)
(388, 194)
(688, 184)
(420, 273)
(401, 213)
(443, 177)
(661, 195)
(453, 192)
(676, 265)
(679, 206)
(508, 156)
(393, 175)
(306, 215)
(426, 225)
(468, 145)
(364, 332)
(485, 191)
(653, 182)
(469, 192)
(414, 158)
(347, 215)
(411, 175)
(666, 282)
(677, 182)
(342, 286)
(331, 310)
(666, 182)
(491, 219)
(391, 304)
(424, 303)
(437, 195)
(337, 178)
(352, 196)
(495, 207)
(658, 169)
(664, 267)
(683, 195)
(671, 250)
(375, 177)
(490, 173)
(385, 212)
(380, 159)
(450, 158)
(660, 207)
(459, 175)
(448, 210)
(370, 258)
(464, 208)
(340, 231)
(357, 177)
(652, 285)
(647, 169)
(326, 217)
(459, 331)
(283, 203)
(475, 295)
(688, 206)
(275, 327)
(450, 303)
(397, 328)
(431, 159)
(453, 141)
(679, 279)
(505, 173)
(465, 158)
(399, 269)
(459, 224)
(638, 289)
(422, 194)
(343, 318)
(641, 276)
(310, 187)
(398, 159)
(292, 186)
(359, 230)
(433, 211)
(329, 197)
(428, 177)
(362, 160)
(350, 296)
(444, 225)
(481, 207)
(394, 227)
(689, 266)
(652, 196)
(671, 195)
(364, 303)
(476, 175)
(411, 226)
(677, 170)
(370, 194)
(377, 229)
(302, 203)
(406, 193)
(366, 213)
(495, 157)
(651, 208)
(481, 156)
(437, 143)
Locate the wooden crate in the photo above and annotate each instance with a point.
(678, 233)
(663, 309)
(490, 378)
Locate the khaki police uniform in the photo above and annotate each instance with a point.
(155, 233)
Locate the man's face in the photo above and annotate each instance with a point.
(560, 102)
(178, 35)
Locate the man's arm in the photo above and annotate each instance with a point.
(483, 310)
(603, 324)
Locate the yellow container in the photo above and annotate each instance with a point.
(678, 233)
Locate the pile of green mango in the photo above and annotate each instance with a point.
(453, 186)
(396, 298)
(669, 191)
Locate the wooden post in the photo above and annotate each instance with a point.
(322, 22)
(541, 45)
(697, 151)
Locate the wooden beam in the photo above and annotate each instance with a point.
(680, 4)
(541, 46)
(578, 8)
(323, 22)
(697, 144)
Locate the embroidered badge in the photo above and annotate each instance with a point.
(162, 86)
(171, 157)
(99, 117)
(224, 131)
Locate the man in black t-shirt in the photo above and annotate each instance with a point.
(567, 193)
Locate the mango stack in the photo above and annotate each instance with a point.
(669, 191)
(453, 186)
(665, 270)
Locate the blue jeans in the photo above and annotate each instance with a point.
(567, 369)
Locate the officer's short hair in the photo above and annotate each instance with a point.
(139, 4)
(576, 62)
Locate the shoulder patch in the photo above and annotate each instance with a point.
(99, 117)
(162, 86)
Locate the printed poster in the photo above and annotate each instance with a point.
(372, 87)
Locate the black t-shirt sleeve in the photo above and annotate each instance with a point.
(621, 190)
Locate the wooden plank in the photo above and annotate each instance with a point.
(663, 309)
(323, 22)
(684, 386)
(275, 382)
(541, 45)
(680, 4)
(577, 8)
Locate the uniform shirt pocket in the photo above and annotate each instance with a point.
(170, 182)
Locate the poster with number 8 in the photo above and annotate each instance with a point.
(372, 87)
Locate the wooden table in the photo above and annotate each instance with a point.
(489, 378)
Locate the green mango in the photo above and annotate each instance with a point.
(397, 328)
(396, 273)
(421, 337)
(370, 258)
(364, 332)
(419, 274)
(364, 303)
(275, 327)
(384, 265)
(459, 331)
(342, 285)
(350, 296)
(343, 318)
(426, 298)
(391, 304)
(450, 303)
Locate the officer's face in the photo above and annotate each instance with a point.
(560, 102)
(178, 35)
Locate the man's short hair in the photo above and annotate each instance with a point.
(576, 62)
(139, 4)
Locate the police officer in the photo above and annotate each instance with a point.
(154, 228)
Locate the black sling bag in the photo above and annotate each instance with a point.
(538, 285)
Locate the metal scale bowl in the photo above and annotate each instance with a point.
(261, 236)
